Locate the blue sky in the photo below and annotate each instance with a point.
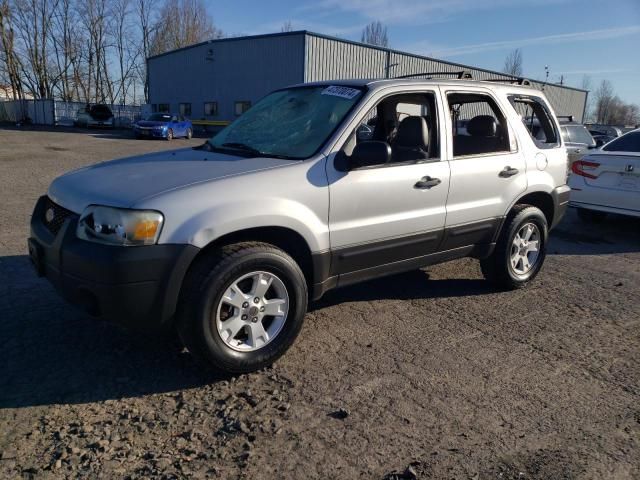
(573, 37)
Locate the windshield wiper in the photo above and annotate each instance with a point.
(210, 147)
(205, 146)
(244, 147)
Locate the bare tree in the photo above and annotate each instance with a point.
(32, 21)
(287, 26)
(9, 56)
(126, 50)
(183, 23)
(145, 10)
(66, 44)
(603, 99)
(513, 63)
(375, 34)
(611, 110)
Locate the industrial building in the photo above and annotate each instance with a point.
(219, 79)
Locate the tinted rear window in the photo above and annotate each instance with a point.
(100, 109)
(627, 143)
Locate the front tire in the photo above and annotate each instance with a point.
(520, 250)
(242, 306)
(169, 135)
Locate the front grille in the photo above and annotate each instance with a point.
(54, 221)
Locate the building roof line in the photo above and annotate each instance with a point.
(361, 44)
(229, 39)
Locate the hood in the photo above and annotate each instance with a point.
(125, 182)
(150, 123)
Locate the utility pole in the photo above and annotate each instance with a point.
(388, 66)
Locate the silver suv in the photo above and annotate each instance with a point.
(317, 186)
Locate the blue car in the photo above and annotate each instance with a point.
(163, 125)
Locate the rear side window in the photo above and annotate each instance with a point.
(627, 143)
(479, 126)
(100, 110)
(579, 134)
(537, 118)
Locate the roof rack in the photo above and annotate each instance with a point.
(514, 80)
(462, 74)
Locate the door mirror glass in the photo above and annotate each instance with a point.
(368, 154)
(364, 133)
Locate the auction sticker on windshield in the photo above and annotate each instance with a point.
(344, 92)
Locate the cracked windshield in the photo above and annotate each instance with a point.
(292, 123)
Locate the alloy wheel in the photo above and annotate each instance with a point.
(252, 311)
(525, 249)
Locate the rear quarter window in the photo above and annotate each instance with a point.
(538, 120)
(627, 143)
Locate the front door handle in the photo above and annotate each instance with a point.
(427, 182)
(508, 172)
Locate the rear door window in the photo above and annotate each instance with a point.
(479, 126)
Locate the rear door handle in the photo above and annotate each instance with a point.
(508, 172)
(426, 183)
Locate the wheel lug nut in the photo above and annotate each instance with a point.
(244, 317)
(256, 300)
(245, 305)
(262, 309)
(254, 319)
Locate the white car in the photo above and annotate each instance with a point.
(608, 180)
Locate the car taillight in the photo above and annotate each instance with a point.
(579, 166)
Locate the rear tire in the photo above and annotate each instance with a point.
(591, 216)
(520, 250)
(223, 284)
(189, 134)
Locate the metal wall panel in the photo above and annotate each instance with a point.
(226, 71)
(330, 58)
(564, 100)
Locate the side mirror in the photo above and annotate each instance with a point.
(368, 154)
(599, 143)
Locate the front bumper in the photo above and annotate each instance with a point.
(137, 287)
(100, 123)
(560, 196)
(150, 133)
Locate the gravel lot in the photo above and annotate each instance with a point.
(429, 374)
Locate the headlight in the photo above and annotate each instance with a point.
(119, 226)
